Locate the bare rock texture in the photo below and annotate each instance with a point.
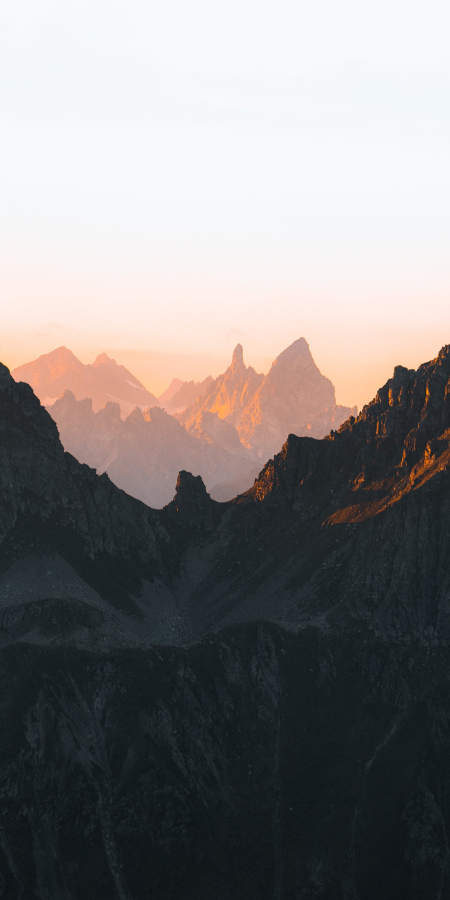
(102, 381)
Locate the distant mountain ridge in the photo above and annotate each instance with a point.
(293, 398)
(186, 394)
(167, 395)
(144, 453)
(102, 381)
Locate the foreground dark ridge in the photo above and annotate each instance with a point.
(258, 762)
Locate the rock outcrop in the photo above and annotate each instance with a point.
(102, 381)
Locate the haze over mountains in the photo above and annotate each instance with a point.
(101, 381)
(248, 699)
(186, 394)
(231, 424)
(144, 453)
(294, 397)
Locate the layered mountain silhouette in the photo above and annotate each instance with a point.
(102, 381)
(248, 699)
(292, 398)
(144, 453)
(170, 392)
(187, 393)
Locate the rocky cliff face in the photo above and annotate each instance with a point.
(269, 716)
(102, 382)
(292, 398)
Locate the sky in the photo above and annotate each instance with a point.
(177, 177)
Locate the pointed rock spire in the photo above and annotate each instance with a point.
(238, 356)
(192, 506)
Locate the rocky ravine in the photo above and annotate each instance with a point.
(290, 739)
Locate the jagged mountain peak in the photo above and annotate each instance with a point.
(170, 392)
(331, 654)
(192, 507)
(103, 360)
(103, 380)
(299, 349)
(238, 355)
(413, 406)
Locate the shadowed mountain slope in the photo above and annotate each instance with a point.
(292, 398)
(257, 761)
(103, 381)
(350, 526)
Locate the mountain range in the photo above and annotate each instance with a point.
(187, 393)
(294, 397)
(243, 417)
(233, 700)
(102, 381)
(144, 453)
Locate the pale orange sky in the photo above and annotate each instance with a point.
(177, 177)
(357, 351)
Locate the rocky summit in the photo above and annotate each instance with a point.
(240, 700)
(294, 397)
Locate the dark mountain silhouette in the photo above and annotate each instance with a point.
(143, 454)
(103, 381)
(292, 398)
(248, 699)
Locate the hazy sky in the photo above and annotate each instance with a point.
(178, 176)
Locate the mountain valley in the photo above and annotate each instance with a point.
(247, 699)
